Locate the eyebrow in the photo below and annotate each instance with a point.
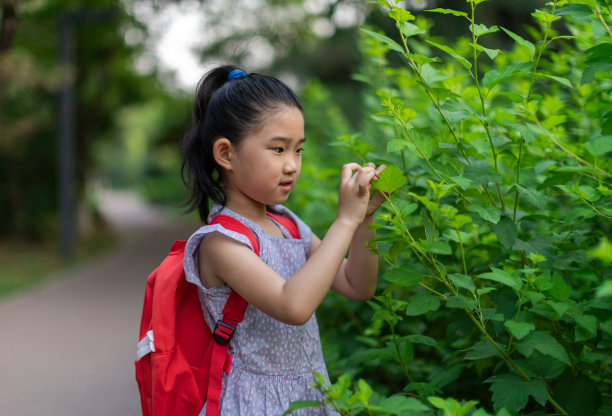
(286, 139)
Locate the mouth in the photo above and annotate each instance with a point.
(286, 185)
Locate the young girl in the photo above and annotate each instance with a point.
(244, 152)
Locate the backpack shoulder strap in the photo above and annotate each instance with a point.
(286, 222)
(233, 313)
(231, 223)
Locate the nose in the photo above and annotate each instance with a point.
(292, 164)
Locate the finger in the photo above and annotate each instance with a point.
(365, 176)
(347, 171)
(380, 168)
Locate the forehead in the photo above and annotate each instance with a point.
(286, 122)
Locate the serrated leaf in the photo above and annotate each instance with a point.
(480, 29)
(460, 302)
(404, 275)
(544, 343)
(463, 182)
(532, 197)
(421, 304)
(302, 404)
(400, 15)
(540, 366)
(599, 145)
(519, 329)
(389, 180)
(385, 39)
(490, 214)
(399, 404)
(503, 277)
(422, 339)
(520, 41)
(462, 280)
(574, 10)
(506, 232)
(448, 11)
(560, 80)
(494, 76)
(512, 391)
(480, 350)
(452, 53)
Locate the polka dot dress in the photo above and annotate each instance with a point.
(273, 361)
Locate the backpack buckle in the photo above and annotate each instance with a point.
(223, 333)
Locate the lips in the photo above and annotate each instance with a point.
(286, 185)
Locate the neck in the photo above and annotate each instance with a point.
(245, 206)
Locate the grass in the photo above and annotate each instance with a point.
(25, 263)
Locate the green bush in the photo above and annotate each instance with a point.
(495, 291)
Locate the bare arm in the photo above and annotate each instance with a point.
(292, 301)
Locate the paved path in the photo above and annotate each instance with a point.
(67, 347)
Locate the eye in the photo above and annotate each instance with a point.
(278, 149)
(300, 150)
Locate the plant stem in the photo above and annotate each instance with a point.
(531, 84)
(569, 152)
(483, 105)
(603, 22)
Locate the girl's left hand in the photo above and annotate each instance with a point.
(378, 198)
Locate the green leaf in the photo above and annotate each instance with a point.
(421, 304)
(512, 391)
(579, 395)
(461, 302)
(405, 275)
(389, 180)
(490, 214)
(400, 15)
(532, 197)
(363, 393)
(448, 11)
(399, 404)
(560, 80)
(540, 366)
(544, 17)
(452, 53)
(600, 60)
(480, 350)
(463, 183)
(462, 280)
(494, 76)
(431, 75)
(560, 290)
(337, 390)
(437, 247)
(385, 39)
(588, 322)
(422, 339)
(506, 232)
(520, 41)
(599, 145)
(503, 277)
(519, 329)
(302, 404)
(480, 29)
(574, 10)
(544, 343)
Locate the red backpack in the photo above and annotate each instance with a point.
(180, 362)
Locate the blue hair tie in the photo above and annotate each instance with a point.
(236, 73)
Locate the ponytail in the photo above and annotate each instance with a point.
(230, 108)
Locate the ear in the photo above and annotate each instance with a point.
(222, 152)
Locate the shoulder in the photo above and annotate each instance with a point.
(303, 228)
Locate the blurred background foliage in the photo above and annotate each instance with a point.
(131, 114)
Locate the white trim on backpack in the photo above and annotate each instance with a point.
(145, 345)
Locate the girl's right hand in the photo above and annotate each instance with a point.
(354, 193)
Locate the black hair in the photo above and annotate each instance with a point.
(231, 109)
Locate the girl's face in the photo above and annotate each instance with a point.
(267, 163)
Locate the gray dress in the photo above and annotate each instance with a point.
(273, 361)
